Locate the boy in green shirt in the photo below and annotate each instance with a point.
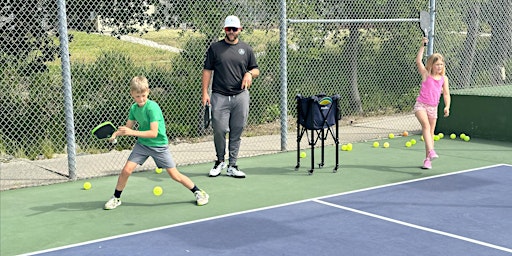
(151, 141)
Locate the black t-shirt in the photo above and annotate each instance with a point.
(229, 63)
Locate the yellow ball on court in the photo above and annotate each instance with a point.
(453, 136)
(413, 142)
(158, 170)
(344, 147)
(467, 138)
(441, 135)
(391, 136)
(376, 144)
(349, 147)
(462, 135)
(157, 191)
(386, 145)
(436, 137)
(302, 154)
(408, 144)
(87, 185)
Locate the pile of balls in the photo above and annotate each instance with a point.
(412, 142)
(347, 147)
(462, 136)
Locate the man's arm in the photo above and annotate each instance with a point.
(205, 84)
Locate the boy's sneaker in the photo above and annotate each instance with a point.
(427, 164)
(234, 172)
(217, 168)
(432, 154)
(112, 203)
(201, 197)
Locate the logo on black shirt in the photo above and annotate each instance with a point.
(241, 51)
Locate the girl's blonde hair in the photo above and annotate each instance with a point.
(139, 84)
(433, 59)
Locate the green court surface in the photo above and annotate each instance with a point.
(44, 217)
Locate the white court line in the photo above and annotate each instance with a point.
(256, 210)
(415, 226)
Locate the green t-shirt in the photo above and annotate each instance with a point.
(144, 116)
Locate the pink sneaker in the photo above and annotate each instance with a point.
(432, 154)
(427, 164)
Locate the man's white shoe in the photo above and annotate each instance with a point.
(217, 168)
(233, 171)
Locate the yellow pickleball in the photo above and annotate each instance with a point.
(87, 185)
(157, 191)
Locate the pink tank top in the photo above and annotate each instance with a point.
(430, 91)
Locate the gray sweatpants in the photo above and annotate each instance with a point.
(229, 115)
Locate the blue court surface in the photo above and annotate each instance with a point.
(463, 213)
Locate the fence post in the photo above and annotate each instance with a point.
(283, 72)
(66, 86)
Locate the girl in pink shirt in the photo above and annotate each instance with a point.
(434, 82)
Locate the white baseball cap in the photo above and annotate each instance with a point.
(232, 21)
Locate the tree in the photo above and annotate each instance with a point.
(28, 30)
(500, 47)
(24, 38)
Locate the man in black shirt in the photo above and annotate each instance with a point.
(232, 64)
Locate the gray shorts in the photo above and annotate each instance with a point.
(161, 155)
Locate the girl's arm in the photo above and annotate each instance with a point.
(446, 97)
(419, 59)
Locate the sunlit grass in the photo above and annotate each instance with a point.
(172, 37)
(86, 47)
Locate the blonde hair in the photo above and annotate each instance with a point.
(433, 59)
(139, 84)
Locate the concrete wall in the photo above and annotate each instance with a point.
(478, 116)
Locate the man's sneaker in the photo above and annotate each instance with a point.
(427, 164)
(201, 197)
(112, 203)
(217, 168)
(432, 154)
(234, 172)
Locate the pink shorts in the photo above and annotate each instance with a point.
(431, 110)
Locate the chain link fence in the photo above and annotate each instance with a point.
(370, 65)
